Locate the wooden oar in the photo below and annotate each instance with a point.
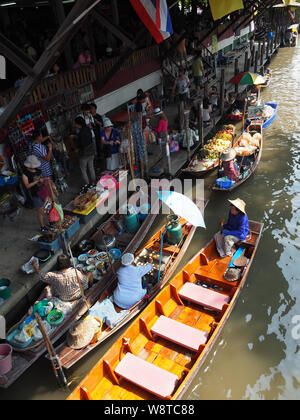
(78, 280)
(56, 364)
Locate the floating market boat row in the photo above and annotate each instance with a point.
(158, 356)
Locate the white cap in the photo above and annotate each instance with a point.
(127, 259)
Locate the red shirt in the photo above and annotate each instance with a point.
(230, 171)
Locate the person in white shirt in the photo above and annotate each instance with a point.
(182, 84)
(207, 110)
(130, 283)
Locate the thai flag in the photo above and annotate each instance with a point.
(156, 17)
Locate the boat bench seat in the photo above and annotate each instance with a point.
(204, 297)
(178, 333)
(151, 378)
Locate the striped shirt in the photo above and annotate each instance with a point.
(40, 151)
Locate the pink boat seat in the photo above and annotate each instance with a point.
(204, 297)
(149, 377)
(184, 335)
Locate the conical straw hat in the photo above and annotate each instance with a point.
(239, 204)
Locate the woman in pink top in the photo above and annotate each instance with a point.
(162, 123)
(230, 169)
(84, 59)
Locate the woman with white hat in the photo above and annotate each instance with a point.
(34, 183)
(162, 124)
(130, 283)
(235, 230)
(229, 166)
(111, 141)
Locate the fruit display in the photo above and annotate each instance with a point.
(221, 142)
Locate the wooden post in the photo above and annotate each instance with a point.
(222, 92)
(246, 62)
(236, 71)
(181, 115)
(188, 133)
(262, 54)
(256, 61)
(59, 11)
(146, 162)
(200, 124)
(166, 157)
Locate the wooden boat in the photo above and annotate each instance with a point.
(23, 358)
(253, 160)
(271, 119)
(211, 166)
(172, 255)
(161, 352)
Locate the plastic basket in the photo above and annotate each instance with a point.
(224, 183)
(70, 232)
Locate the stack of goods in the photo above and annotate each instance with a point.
(236, 115)
(210, 153)
(28, 332)
(268, 112)
(68, 222)
(248, 144)
(85, 200)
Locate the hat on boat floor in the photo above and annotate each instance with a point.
(82, 333)
(228, 155)
(239, 204)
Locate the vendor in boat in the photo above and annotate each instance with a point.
(130, 288)
(231, 168)
(64, 282)
(234, 231)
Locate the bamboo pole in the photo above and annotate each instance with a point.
(130, 139)
(56, 364)
(78, 280)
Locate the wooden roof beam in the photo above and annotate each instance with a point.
(71, 25)
(16, 56)
(113, 29)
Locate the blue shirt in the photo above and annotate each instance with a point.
(237, 226)
(114, 137)
(130, 289)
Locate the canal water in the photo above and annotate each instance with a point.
(256, 356)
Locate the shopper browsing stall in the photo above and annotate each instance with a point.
(86, 150)
(35, 184)
(111, 141)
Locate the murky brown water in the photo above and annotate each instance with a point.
(256, 356)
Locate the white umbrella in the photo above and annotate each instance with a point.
(183, 206)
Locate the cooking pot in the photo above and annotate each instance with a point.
(105, 241)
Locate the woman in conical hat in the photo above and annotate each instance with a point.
(235, 230)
